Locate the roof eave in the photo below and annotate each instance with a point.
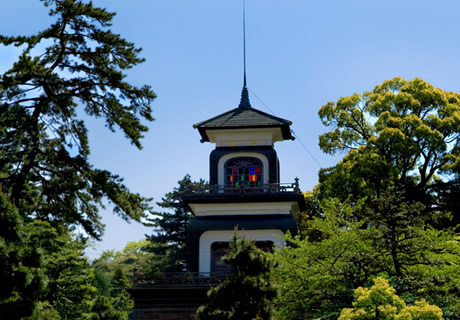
(285, 130)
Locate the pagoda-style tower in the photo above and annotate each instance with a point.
(244, 193)
(244, 189)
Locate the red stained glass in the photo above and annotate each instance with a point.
(243, 172)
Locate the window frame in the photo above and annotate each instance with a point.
(243, 172)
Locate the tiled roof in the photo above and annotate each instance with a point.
(244, 118)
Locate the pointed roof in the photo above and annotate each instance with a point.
(244, 117)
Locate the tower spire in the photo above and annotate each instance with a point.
(244, 103)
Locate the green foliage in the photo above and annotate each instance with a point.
(312, 210)
(381, 302)
(21, 264)
(402, 135)
(45, 274)
(136, 259)
(70, 287)
(133, 256)
(316, 276)
(169, 240)
(43, 143)
(44, 311)
(171, 227)
(118, 304)
(247, 293)
(47, 185)
(389, 207)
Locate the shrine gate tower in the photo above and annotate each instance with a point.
(244, 188)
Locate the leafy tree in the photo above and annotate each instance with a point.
(381, 302)
(402, 135)
(134, 255)
(45, 274)
(70, 290)
(118, 304)
(44, 311)
(43, 142)
(420, 258)
(137, 259)
(304, 218)
(400, 179)
(247, 293)
(316, 276)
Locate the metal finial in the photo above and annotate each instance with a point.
(244, 42)
(244, 103)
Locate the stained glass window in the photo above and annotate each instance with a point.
(243, 173)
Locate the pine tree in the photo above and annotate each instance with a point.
(75, 64)
(247, 293)
(171, 226)
(72, 69)
(22, 279)
(169, 239)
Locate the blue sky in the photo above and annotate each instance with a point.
(300, 55)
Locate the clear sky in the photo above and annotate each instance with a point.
(300, 55)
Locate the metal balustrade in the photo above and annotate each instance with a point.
(171, 279)
(266, 188)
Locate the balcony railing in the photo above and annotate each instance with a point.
(181, 279)
(266, 188)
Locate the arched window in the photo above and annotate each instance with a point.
(243, 173)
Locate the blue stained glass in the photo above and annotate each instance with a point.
(243, 172)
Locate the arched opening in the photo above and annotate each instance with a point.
(221, 248)
(218, 251)
(243, 172)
